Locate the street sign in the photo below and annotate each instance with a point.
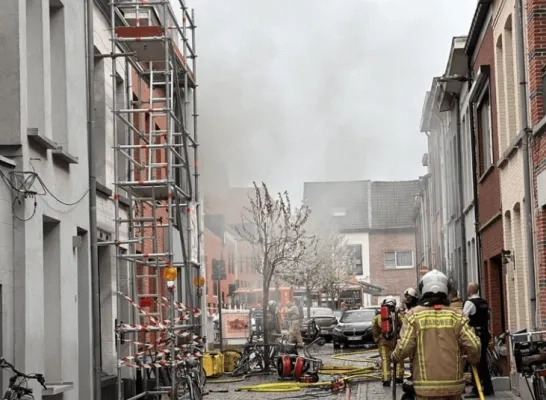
(218, 270)
(370, 289)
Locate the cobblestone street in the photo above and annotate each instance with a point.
(371, 390)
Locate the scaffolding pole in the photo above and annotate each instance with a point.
(160, 179)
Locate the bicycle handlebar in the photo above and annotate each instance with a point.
(39, 377)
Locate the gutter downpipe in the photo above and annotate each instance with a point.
(464, 270)
(526, 131)
(94, 255)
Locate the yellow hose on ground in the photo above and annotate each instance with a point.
(349, 373)
(282, 386)
(218, 380)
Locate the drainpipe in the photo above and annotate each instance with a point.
(527, 177)
(474, 156)
(464, 271)
(94, 256)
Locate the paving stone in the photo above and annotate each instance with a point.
(361, 391)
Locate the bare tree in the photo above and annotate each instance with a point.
(337, 264)
(276, 232)
(306, 271)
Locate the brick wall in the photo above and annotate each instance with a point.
(489, 192)
(489, 199)
(395, 281)
(214, 250)
(149, 285)
(536, 41)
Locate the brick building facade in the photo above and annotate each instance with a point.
(377, 220)
(392, 237)
(393, 278)
(511, 166)
(222, 217)
(483, 115)
(535, 15)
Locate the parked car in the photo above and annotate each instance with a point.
(355, 327)
(325, 319)
(338, 314)
(377, 309)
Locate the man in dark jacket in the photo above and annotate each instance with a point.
(477, 310)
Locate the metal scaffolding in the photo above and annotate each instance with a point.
(160, 240)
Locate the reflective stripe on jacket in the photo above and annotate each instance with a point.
(436, 338)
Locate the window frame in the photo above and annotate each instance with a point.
(358, 262)
(396, 266)
(485, 91)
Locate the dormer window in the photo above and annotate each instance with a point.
(339, 212)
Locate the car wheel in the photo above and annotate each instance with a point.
(328, 339)
(336, 345)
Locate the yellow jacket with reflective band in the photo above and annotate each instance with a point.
(457, 303)
(378, 334)
(436, 338)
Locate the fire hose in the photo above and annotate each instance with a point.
(347, 374)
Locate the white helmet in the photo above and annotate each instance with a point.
(434, 282)
(389, 301)
(409, 293)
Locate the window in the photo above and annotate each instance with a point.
(484, 131)
(57, 48)
(398, 259)
(339, 212)
(356, 252)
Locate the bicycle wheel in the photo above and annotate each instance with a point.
(242, 366)
(493, 363)
(539, 387)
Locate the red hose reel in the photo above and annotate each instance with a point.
(297, 367)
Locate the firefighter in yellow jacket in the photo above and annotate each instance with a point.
(436, 336)
(387, 345)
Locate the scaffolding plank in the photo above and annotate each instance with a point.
(149, 49)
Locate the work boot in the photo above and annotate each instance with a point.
(386, 383)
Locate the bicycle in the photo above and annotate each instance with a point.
(530, 356)
(496, 349)
(18, 383)
(190, 376)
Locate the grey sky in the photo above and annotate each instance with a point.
(314, 90)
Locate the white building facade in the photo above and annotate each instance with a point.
(45, 287)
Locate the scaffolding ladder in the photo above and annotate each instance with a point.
(159, 147)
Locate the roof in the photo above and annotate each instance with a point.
(392, 204)
(367, 205)
(478, 20)
(323, 197)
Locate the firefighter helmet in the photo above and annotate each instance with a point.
(434, 282)
(389, 301)
(409, 295)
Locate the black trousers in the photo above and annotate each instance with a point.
(483, 369)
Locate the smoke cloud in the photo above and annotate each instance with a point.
(316, 90)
